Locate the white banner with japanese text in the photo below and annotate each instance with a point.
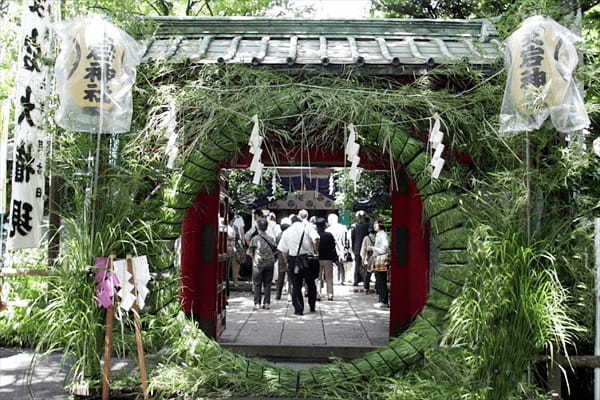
(32, 91)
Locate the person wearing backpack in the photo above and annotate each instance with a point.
(327, 256)
(263, 249)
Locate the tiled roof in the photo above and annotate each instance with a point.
(388, 46)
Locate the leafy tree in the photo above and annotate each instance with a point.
(476, 9)
(175, 7)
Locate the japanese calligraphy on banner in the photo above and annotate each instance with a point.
(28, 182)
(540, 60)
(95, 72)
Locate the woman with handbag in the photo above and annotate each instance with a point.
(376, 250)
(381, 264)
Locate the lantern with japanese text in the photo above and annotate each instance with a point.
(540, 60)
(95, 72)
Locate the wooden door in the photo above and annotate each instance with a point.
(222, 262)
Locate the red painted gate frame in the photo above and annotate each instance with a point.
(409, 282)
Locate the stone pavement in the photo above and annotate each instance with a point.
(350, 320)
(20, 378)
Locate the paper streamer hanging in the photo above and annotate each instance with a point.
(352, 150)
(106, 283)
(255, 144)
(141, 277)
(331, 185)
(435, 139)
(170, 127)
(141, 273)
(126, 292)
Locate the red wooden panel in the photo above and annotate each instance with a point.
(409, 282)
(199, 261)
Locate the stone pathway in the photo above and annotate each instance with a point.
(349, 320)
(20, 379)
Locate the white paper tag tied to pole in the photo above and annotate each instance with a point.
(126, 291)
(141, 277)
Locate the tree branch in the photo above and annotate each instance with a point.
(153, 6)
(207, 3)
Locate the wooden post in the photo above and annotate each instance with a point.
(110, 311)
(138, 332)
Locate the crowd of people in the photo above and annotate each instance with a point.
(306, 252)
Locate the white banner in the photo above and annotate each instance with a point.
(32, 91)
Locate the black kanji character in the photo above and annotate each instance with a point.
(103, 52)
(533, 38)
(38, 7)
(23, 163)
(28, 107)
(3, 8)
(31, 59)
(97, 72)
(20, 218)
(534, 77)
(38, 192)
(93, 93)
(532, 56)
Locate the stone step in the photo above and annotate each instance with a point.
(303, 354)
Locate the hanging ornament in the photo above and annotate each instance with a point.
(274, 183)
(331, 185)
(352, 150)
(435, 139)
(126, 291)
(106, 283)
(541, 58)
(255, 144)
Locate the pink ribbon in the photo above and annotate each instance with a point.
(107, 282)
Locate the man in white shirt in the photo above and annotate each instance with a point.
(297, 242)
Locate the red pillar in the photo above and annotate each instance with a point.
(410, 258)
(199, 260)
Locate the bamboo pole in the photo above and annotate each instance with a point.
(110, 311)
(138, 332)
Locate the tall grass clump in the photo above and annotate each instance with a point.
(514, 305)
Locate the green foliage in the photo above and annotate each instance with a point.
(531, 278)
(370, 185)
(242, 192)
